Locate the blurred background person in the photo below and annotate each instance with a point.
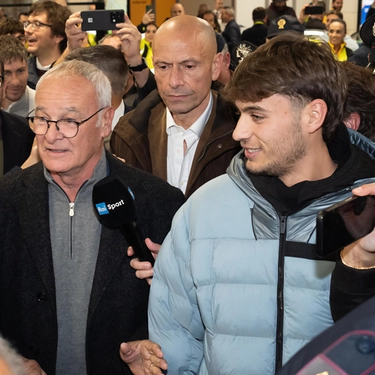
(23, 17)
(336, 34)
(360, 102)
(16, 137)
(362, 55)
(212, 19)
(19, 99)
(232, 32)
(10, 26)
(146, 44)
(258, 32)
(46, 38)
(177, 10)
(148, 17)
(202, 9)
(337, 5)
(278, 8)
(334, 15)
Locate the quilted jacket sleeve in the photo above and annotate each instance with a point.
(174, 319)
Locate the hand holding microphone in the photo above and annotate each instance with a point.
(115, 207)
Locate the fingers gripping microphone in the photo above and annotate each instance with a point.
(115, 207)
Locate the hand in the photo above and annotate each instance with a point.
(361, 254)
(148, 17)
(143, 357)
(118, 157)
(32, 367)
(130, 41)
(74, 33)
(302, 15)
(144, 270)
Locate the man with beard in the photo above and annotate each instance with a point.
(237, 287)
(277, 9)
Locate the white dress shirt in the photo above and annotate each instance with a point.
(182, 145)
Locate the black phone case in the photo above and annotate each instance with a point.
(332, 232)
(101, 19)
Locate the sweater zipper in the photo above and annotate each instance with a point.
(71, 214)
(280, 296)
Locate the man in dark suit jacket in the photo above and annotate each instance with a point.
(258, 32)
(232, 32)
(182, 132)
(68, 294)
(16, 138)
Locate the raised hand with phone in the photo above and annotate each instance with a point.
(353, 277)
(361, 254)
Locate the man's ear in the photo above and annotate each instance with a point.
(57, 39)
(353, 121)
(216, 66)
(107, 121)
(316, 112)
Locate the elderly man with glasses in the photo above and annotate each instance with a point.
(69, 296)
(45, 36)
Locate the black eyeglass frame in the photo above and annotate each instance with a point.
(35, 25)
(78, 123)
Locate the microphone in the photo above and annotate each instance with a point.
(114, 205)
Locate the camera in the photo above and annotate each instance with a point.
(117, 16)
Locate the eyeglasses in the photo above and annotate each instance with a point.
(2, 78)
(68, 127)
(35, 25)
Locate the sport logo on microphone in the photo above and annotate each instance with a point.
(103, 209)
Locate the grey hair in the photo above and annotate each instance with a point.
(86, 70)
(225, 49)
(229, 10)
(11, 358)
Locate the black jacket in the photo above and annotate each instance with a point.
(118, 302)
(17, 140)
(231, 34)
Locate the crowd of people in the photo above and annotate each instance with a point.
(231, 143)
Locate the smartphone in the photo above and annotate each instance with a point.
(344, 223)
(101, 19)
(314, 9)
(150, 7)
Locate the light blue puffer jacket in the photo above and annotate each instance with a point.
(214, 298)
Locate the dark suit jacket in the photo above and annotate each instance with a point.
(17, 140)
(140, 138)
(231, 34)
(118, 302)
(255, 34)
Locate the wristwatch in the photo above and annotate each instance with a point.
(140, 67)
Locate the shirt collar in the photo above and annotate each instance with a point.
(198, 126)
